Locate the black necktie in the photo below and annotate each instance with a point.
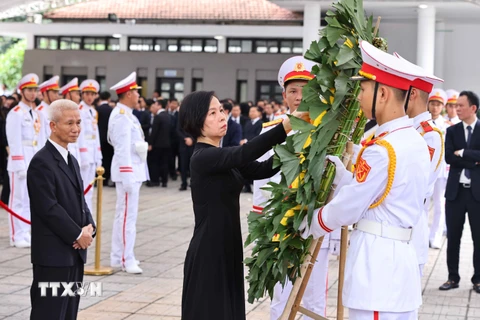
(31, 114)
(70, 164)
(469, 138)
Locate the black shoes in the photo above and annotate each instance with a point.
(450, 284)
(152, 184)
(182, 188)
(476, 287)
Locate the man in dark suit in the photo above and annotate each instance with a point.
(62, 226)
(237, 115)
(234, 130)
(462, 152)
(104, 111)
(159, 146)
(254, 126)
(186, 147)
(147, 118)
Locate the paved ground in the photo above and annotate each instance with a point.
(164, 229)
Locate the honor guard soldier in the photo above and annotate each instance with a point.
(71, 91)
(23, 133)
(383, 198)
(436, 102)
(129, 170)
(292, 76)
(451, 116)
(49, 90)
(89, 145)
(417, 109)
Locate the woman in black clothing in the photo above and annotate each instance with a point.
(213, 286)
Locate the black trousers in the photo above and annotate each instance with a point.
(455, 218)
(55, 308)
(185, 155)
(158, 164)
(172, 164)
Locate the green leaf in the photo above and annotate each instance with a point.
(341, 86)
(333, 34)
(290, 163)
(345, 55)
(300, 125)
(299, 140)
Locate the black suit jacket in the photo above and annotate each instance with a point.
(174, 141)
(455, 140)
(161, 131)
(146, 124)
(250, 130)
(233, 136)
(104, 111)
(58, 209)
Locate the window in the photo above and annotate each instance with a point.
(265, 46)
(242, 90)
(70, 43)
(171, 88)
(97, 44)
(77, 43)
(113, 44)
(172, 45)
(102, 81)
(197, 84)
(50, 43)
(269, 90)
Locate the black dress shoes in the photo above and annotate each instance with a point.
(450, 284)
(476, 287)
(182, 188)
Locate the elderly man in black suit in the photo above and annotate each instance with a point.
(62, 225)
(462, 152)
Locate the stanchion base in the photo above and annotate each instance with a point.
(102, 271)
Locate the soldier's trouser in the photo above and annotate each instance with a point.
(438, 223)
(88, 174)
(19, 202)
(124, 226)
(355, 314)
(315, 297)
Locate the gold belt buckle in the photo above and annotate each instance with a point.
(34, 143)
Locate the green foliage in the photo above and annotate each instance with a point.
(11, 63)
(330, 98)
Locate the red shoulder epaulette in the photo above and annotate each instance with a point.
(372, 142)
(16, 108)
(426, 126)
(40, 108)
(80, 107)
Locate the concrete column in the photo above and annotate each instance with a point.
(124, 43)
(222, 45)
(439, 49)
(426, 38)
(30, 39)
(311, 23)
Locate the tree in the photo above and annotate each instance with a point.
(11, 63)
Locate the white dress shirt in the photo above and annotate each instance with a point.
(463, 177)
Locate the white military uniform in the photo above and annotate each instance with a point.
(452, 96)
(23, 132)
(73, 148)
(42, 109)
(385, 202)
(434, 139)
(315, 297)
(89, 145)
(129, 170)
(438, 197)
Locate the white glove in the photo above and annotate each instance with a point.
(22, 174)
(342, 175)
(128, 181)
(334, 247)
(98, 164)
(314, 229)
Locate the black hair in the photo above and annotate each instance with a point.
(172, 100)
(471, 97)
(194, 111)
(149, 102)
(227, 106)
(156, 91)
(163, 103)
(259, 109)
(121, 95)
(11, 98)
(105, 95)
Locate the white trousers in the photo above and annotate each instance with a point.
(19, 202)
(124, 226)
(315, 297)
(88, 174)
(438, 223)
(355, 314)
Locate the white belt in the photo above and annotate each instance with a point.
(379, 229)
(90, 137)
(29, 143)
